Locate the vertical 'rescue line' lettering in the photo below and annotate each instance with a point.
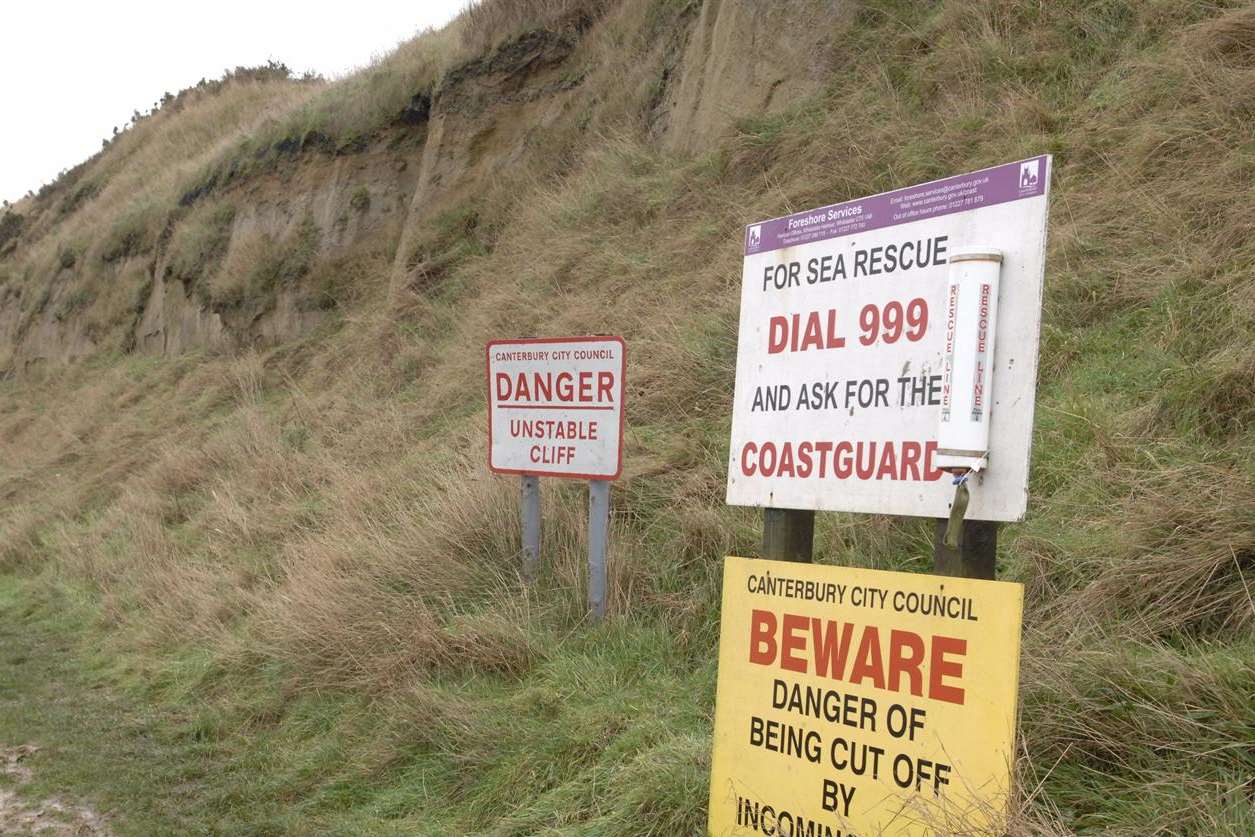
(982, 347)
(947, 366)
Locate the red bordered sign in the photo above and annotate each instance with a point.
(555, 406)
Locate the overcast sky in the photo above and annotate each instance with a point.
(71, 71)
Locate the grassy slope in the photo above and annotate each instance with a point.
(297, 558)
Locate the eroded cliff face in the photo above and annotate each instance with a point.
(743, 58)
(688, 78)
(483, 120)
(348, 199)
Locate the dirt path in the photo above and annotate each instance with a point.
(52, 816)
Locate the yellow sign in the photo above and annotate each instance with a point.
(855, 703)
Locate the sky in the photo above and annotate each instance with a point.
(71, 71)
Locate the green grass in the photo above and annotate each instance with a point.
(100, 743)
(181, 745)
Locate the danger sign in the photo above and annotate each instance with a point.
(856, 702)
(843, 365)
(555, 406)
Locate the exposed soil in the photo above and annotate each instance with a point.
(53, 816)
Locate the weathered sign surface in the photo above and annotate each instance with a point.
(860, 702)
(555, 406)
(840, 350)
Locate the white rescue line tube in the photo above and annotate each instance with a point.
(971, 308)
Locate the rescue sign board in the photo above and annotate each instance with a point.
(856, 702)
(841, 347)
(555, 406)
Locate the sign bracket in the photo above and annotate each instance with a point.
(598, 539)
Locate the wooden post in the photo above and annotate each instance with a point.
(976, 556)
(788, 535)
(530, 507)
(598, 538)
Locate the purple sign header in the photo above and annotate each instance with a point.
(961, 193)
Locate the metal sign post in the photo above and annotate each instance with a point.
(530, 508)
(598, 539)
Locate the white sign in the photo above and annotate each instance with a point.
(555, 406)
(841, 347)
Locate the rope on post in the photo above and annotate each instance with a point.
(954, 526)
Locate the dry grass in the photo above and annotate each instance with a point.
(1190, 563)
(354, 108)
(1106, 713)
(1229, 37)
(486, 23)
(415, 572)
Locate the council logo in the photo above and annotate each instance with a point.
(1029, 174)
(755, 237)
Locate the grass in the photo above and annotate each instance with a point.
(259, 264)
(486, 23)
(179, 748)
(200, 241)
(57, 697)
(288, 575)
